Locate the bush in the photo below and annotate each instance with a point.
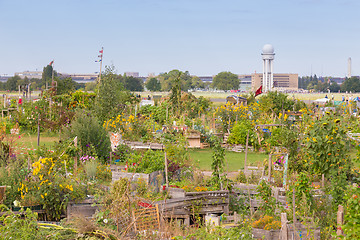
(239, 133)
(148, 162)
(91, 135)
(267, 223)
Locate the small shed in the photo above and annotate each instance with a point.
(236, 100)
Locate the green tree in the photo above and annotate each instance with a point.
(90, 86)
(175, 95)
(153, 85)
(226, 81)
(351, 84)
(334, 87)
(66, 85)
(133, 84)
(47, 75)
(168, 79)
(111, 96)
(12, 83)
(275, 102)
(197, 83)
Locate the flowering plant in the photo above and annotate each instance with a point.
(86, 158)
(51, 186)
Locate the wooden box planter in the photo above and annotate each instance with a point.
(194, 140)
(183, 203)
(300, 233)
(84, 208)
(35, 207)
(265, 234)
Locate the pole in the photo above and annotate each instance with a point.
(269, 170)
(166, 172)
(75, 158)
(38, 130)
(52, 75)
(340, 220)
(283, 231)
(246, 151)
(101, 58)
(294, 206)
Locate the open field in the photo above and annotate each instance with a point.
(234, 161)
(221, 96)
(29, 142)
(299, 96)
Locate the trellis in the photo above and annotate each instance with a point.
(146, 219)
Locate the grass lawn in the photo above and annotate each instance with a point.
(29, 141)
(233, 161)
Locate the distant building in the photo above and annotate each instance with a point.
(4, 78)
(338, 80)
(245, 82)
(282, 81)
(29, 74)
(206, 79)
(80, 78)
(132, 74)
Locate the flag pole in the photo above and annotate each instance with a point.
(52, 75)
(101, 57)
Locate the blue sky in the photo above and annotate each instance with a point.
(203, 37)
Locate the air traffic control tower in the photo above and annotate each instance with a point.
(268, 73)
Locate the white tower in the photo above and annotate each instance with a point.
(349, 68)
(268, 58)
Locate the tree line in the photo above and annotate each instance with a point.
(162, 82)
(351, 84)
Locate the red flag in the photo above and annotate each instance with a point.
(51, 63)
(259, 91)
(101, 51)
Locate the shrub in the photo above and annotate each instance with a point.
(148, 162)
(267, 223)
(239, 133)
(91, 135)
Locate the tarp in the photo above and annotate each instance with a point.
(322, 100)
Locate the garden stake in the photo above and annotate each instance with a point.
(38, 131)
(340, 220)
(246, 150)
(75, 158)
(294, 217)
(166, 172)
(269, 173)
(283, 231)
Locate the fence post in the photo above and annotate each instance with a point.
(340, 220)
(246, 151)
(284, 232)
(269, 173)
